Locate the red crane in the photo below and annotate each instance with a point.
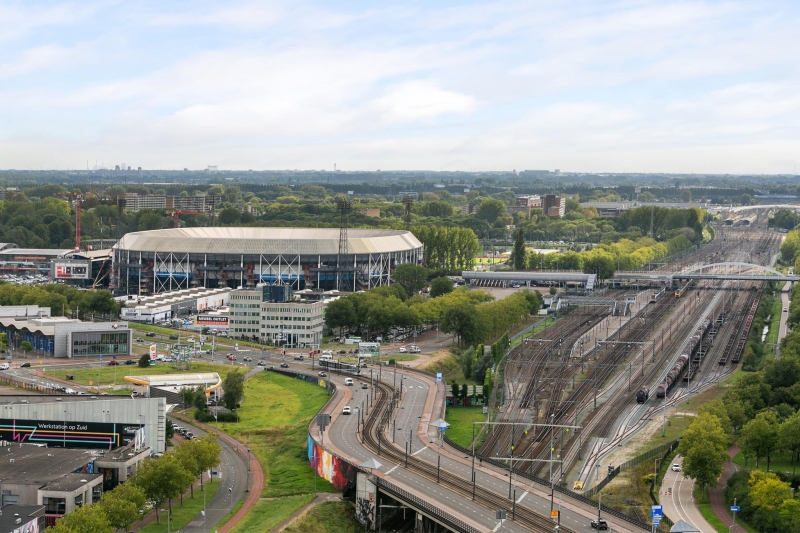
(176, 212)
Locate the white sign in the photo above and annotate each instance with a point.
(438, 376)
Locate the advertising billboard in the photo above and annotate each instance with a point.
(72, 270)
(68, 434)
(210, 320)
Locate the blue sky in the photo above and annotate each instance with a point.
(592, 86)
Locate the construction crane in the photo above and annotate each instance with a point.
(177, 212)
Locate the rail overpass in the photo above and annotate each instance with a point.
(733, 271)
(506, 277)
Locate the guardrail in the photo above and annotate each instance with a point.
(556, 488)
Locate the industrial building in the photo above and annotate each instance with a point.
(272, 313)
(173, 304)
(28, 261)
(61, 336)
(151, 262)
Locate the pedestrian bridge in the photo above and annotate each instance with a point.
(722, 271)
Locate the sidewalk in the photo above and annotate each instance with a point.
(715, 495)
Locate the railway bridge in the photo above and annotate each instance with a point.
(733, 271)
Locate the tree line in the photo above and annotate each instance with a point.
(157, 481)
(62, 300)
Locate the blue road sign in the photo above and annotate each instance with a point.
(735, 508)
(656, 511)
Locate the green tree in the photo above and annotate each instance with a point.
(229, 216)
(169, 430)
(454, 391)
(206, 451)
(759, 437)
(518, 254)
(341, 314)
(718, 409)
(491, 209)
(789, 437)
(186, 457)
(462, 322)
(767, 491)
(233, 385)
(466, 362)
(26, 347)
(411, 277)
(144, 360)
(122, 505)
(161, 479)
(704, 448)
(441, 285)
(84, 519)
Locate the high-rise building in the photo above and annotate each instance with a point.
(553, 206)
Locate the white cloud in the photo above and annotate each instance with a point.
(415, 100)
(250, 16)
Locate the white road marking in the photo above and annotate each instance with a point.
(392, 469)
(523, 495)
(500, 523)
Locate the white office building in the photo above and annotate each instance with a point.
(294, 322)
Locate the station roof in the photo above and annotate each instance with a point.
(268, 241)
(177, 380)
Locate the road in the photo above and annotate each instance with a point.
(680, 504)
(784, 326)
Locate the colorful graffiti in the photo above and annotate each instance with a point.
(340, 473)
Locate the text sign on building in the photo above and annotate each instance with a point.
(71, 271)
(69, 434)
(205, 320)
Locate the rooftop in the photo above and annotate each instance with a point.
(25, 463)
(26, 512)
(71, 482)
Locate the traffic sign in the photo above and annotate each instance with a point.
(735, 508)
(656, 511)
(554, 513)
(438, 376)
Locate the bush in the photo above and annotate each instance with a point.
(144, 361)
(201, 415)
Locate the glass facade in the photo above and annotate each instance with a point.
(99, 343)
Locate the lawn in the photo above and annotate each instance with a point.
(778, 463)
(460, 420)
(329, 517)
(183, 514)
(775, 312)
(717, 524)
(107, 376)
(267, 514)
(273, 422)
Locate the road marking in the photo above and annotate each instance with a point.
(420, 450)
(392, 470)
(523, 495)
(500, 523)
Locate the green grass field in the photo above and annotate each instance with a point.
(267, 514)
(106, 374)
(273, 422)
(778, 463)
(329, 517)
(775, 323)
(460, 420)
(183, 514)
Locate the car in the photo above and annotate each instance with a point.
(262, 363)
(173, 337)
(323, 375)
(599, 524)
(785, 309)
(415, 349)
(231, 358)
(346, 410)
(298, 357)
(25, 365)
(131, 362)
(676, 467)
(364, 386)
(4, 366)
(284, 365)
(151, 334)
(139, 339)
(248, 359)
(403, 349)
(348, 382)
(167, 360)
(113, 362)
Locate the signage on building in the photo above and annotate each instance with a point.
(71, 271)
(30, 258)
(210, 320)
(69, 434)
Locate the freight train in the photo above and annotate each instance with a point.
(642, 395)
(683, 358)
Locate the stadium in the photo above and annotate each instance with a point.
(150, 262)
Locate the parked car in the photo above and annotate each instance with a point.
(113, 362)
(151, 334)
(173, 337)
(131, 362)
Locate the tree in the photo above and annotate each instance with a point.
(122, 505)
(518, 254)
(26, 347)
(789, 437)
(161, 479)
(84, 519)
(686, 195)
(759, 437)
(491, 209)
(169, 430)
(461, 321)
(186, 457)
(704, 448)
(464, 392)
(229, 216)
(767, 491)
(411, 277)
(144, 360)
(233, 385)
(207, 450)
(441, 285)
(341, 314)
(466, 362)
(718, 409)
(454, 391)
(647, 196)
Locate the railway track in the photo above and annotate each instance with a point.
(372, 432)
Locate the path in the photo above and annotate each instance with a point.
(715, 495)
(322, 497)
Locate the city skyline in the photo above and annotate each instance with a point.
(681, 87)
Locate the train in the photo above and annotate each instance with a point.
(656, 296)
(683, 358)
(681, 291)
(339, 367)
(642, 395)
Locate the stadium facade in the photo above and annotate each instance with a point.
(148, 262)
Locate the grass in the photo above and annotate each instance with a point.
(711, 518)
(84, 376)
(273, 422)
(460, 420)
(329, 517)
(183, 514)
(776, 312)
(778, 463)
(450, 367)
(266, 514)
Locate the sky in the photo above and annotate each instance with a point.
(583, 86)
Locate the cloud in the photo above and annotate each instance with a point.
(51, 57)
(248, 16)
(416, 100)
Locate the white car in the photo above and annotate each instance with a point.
(346, 410)
(348, 381)
(676, 467)
(403, 349)
(4, 366)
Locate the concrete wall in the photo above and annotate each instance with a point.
(148, 411)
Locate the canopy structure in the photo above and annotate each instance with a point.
(683, 527)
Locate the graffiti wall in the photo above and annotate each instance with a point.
(365, 500)
(341, 474)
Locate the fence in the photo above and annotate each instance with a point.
(659, 451)
(557, 488)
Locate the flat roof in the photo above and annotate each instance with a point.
(268, 241)
(34, 464)
(47, 252)
(179, 380)
(71, 482)
(26, 512)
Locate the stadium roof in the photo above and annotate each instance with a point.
(268, 241)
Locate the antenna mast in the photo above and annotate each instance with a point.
(408, 202)
(343, 206)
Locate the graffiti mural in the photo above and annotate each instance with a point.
(340, 473)
(365, 500)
